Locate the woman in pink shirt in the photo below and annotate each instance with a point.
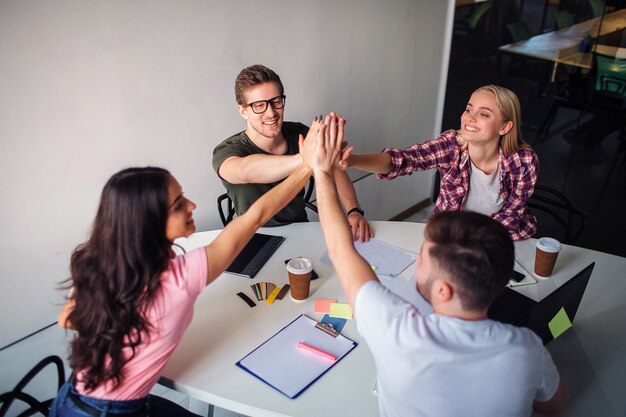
(132, 299)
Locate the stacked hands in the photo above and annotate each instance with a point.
(324, 150)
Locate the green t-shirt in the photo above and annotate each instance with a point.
(244, 195)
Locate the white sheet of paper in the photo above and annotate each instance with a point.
(388, 260)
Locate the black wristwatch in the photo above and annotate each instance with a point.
(357, 209)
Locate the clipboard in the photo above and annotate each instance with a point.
(282, 365)
(254, 255)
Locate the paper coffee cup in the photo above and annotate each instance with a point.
(545, 256)
(299, 270)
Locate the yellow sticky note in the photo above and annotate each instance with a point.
(559, 323)
(342, 311)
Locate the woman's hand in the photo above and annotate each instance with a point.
(345, 161)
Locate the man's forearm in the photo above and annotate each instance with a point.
(345, 189)
(332, 218)
(259, 169)
(352, 269)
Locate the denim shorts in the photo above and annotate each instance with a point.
(153, 406)
(66, 406)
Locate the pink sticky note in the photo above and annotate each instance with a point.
(322, 305)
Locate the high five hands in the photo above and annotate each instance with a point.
(323, 151)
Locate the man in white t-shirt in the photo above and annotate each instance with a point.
(454, 362)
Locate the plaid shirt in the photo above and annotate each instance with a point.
(518, 174)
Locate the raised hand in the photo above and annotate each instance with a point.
(328, 150)
(314, 135)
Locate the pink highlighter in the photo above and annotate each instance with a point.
(317, 351)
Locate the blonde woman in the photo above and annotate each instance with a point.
(484, 166)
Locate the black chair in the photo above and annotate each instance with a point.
(556, 216)
(574, 94)
(17, 394)
(603, 97)
(226, 208)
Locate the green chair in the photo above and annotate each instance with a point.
(479, 13)
(477, 35)
(563, 19)
(597, 7)
(518, 31)
(602, 93)
(610, 75)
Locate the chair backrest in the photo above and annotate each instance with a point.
(34, 405)
(563, 19)
(479, 12)
(226, 208)
(610, 74)
(519, 31)
(597, 7)
(556, 215)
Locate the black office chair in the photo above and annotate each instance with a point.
(556, 216)
(226, 208)
(17, 394)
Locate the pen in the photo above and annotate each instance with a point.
(317, 351)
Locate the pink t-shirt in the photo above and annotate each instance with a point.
(170, 315)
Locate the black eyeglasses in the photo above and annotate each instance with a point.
(260, 106)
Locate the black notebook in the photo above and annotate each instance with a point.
(254, 255)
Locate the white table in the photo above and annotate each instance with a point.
(224, 329)
(561, 46)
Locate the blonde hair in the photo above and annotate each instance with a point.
(509, 109)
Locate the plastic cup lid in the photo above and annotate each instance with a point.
(548, 244)
(300, 266)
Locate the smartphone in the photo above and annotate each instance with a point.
(517, 276)
(313, 274)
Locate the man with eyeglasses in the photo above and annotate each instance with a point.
(253, 161)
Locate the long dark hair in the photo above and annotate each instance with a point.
(116, 273)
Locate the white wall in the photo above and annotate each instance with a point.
(90, 87)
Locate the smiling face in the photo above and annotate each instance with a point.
(481, 121)
(180, 221)
(268, 124)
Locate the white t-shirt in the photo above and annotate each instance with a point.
(483, 195)
(442, 366)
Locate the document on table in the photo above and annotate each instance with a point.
(386, 260)
(282, 365)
